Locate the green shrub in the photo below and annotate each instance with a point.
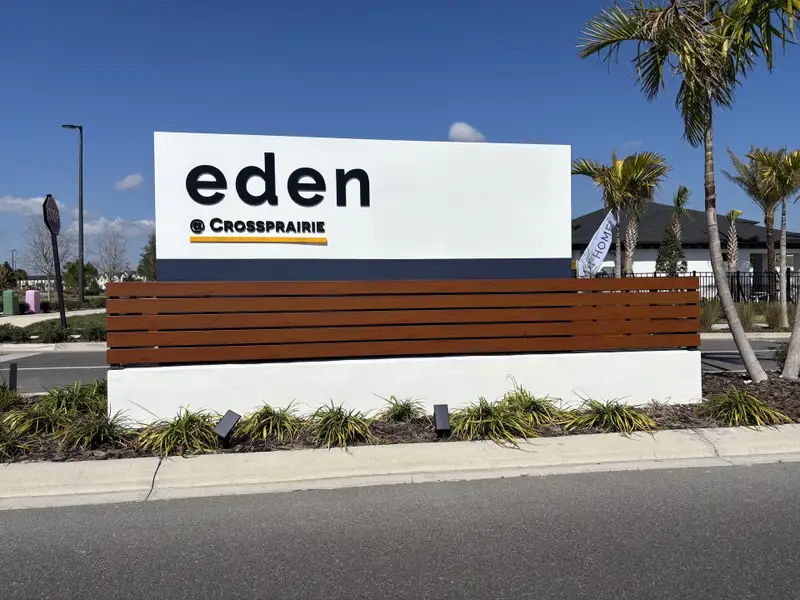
(496, 421)
(45, 306)
(710, 312)
(24, 308)
(13, 334)
(737, 408)
(93, 430)
(402, 411)
(52, 412)
(12, 444)
(190, 432)
(335, 426)
(49, 332)
(268, 423)
(94, 331)
(539, 411)
(747, 314)
(9, 399)
(609, 416)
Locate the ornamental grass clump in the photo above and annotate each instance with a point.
(93, 430)
(268, 423)
(495, 421)
(190, 432)
(610, 416)
(335, 426)
(402, 411)
(538, 410)
(52, 412)
(739, 408)
(12, 444)
(9, 399)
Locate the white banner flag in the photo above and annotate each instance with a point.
(596, 251)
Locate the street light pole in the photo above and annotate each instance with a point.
(13, 259)
(80, 209)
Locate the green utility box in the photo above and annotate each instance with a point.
(10, 302)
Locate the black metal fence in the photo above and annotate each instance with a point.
(745, 286)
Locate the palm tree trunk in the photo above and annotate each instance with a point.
(618, 251)
(631, 239)
(754, 368)
(784, 287)
(769, 223)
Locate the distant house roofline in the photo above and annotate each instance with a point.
(694, 231)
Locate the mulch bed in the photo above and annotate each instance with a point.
(778, 393)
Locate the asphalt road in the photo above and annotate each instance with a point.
(721, 533)
(39, 372)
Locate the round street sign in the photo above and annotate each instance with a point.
(52, 217)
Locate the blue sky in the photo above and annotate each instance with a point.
(352, 68)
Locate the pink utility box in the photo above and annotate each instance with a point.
(33, 300)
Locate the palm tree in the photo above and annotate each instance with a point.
(749, 176)
(781, 171)
(711, 45)
(628, 185)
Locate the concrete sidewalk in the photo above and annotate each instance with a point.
(25, 320)
(65, 347)
(144, 479)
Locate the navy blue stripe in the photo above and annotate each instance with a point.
(361, 270)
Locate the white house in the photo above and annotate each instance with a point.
(752, 240)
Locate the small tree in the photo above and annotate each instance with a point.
(39, 250)
(110, 253)
(8, 277)
(671, 258)
(147, 262)
(90, 275)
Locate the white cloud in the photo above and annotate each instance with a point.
(129, 182)
(464, 132)
(631, 145)
(133, 228)
(23, 206)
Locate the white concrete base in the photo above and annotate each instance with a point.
(148, 393)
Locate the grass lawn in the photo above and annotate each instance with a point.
(75, 324)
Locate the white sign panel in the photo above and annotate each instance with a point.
(225, 197)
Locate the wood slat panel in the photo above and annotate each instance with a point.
(394, 348)
(355, 288)
(400, 317)
(242, 337)
(395, 302)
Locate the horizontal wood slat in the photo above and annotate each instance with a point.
(394, 317)
(185, 323)
(342, 350)
(396, 302)
(402, 332)
(357, 288)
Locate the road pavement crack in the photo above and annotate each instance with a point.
(702, 436)
(153, 482)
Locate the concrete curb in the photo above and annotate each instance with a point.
(767, 335)
(66, 347)
(59, 484)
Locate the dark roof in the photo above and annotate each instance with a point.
(694, 230)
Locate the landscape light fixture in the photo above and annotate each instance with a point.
(224, 428)
(79, 128)
(441, 419)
